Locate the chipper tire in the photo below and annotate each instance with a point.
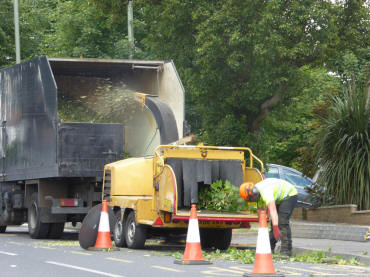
(135, 234)
(215, 238)
(118, 230)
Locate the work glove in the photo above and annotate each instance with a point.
(275, 229)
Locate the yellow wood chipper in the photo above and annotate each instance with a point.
(151, 196)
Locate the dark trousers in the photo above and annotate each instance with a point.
(284, 209)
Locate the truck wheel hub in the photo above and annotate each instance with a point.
(131, 231)
(118, 230)
(33, 215)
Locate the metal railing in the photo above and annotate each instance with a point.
(159, 161)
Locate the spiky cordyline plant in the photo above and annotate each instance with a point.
(343, 150)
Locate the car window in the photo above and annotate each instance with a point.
(296, 179)
(272, 172)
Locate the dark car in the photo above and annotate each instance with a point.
(294, 177)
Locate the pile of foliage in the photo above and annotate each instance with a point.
(223, 198)
(248, 257)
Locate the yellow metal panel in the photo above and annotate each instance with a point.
(144, 212)
(198, 153)
(132, 176)
(142, 206)
(125, 202)
(178, 224)
(252, 175)
(205, 153)
(167, 189)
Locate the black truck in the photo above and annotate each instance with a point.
(51, 171)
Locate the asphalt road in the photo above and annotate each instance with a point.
(22, 256)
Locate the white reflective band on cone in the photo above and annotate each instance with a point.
(193, 231)
(263, 241)
(104, 222)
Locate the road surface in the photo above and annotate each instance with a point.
(22, 256)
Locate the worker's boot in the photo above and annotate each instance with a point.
(286, 240)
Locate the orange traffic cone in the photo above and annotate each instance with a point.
(193, 250)
(103, 240)
(263, 264)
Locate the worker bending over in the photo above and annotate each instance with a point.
(280, 197)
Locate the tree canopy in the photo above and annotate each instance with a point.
(254, 72)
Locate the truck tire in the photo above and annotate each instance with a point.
(2, 229)
(215, 238)
(118, 230)
(135, 234)
(56, 230)
(36, 228)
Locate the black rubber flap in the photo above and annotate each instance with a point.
(165, 119)
(191, 173)
(90, 226)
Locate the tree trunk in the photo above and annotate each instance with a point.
(264, 110)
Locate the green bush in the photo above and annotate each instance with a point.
(343, 150)
(222, 197)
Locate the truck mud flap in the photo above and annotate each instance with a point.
(90, 226)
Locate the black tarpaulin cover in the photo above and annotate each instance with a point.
(192, 172)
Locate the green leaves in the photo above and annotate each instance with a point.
(343, 139)
(248, 257)
(233, 57)
(232, 254)
(221, 197)
(343, 150)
